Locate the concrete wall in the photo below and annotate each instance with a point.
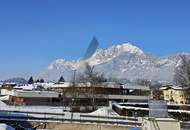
(77, 126)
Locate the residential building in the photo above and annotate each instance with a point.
(176, 95)
(5, 88)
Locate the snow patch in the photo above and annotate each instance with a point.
(2, 104)
(105, 111)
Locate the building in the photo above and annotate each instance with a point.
(5, 88)
(25, 97)
(9, 86)
(84, 94)
(176, 95)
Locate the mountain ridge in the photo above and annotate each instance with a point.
(118, 61)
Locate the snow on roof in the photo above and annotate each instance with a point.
(9, 83)
(141, 108)
(25, 93)
(163, 88)
(6, 127)
(87, 84)
(44, 84)
(145, 103)
(176, 87)
(173, 87)
(25, 87)
(133, 103)
(141, 87)
(61, 85)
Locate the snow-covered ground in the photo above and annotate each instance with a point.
(4, 98)
(104, 114)
(105, 111)
(2, 104)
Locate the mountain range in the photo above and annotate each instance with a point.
(124, 61)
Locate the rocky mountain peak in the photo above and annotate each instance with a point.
(118, 61)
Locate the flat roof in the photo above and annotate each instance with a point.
(136, 87)
(42, 94)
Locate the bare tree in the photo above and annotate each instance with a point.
(143, 82)
(182, 71)
(94, 78)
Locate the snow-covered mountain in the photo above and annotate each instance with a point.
(18, 81)
(119, 61)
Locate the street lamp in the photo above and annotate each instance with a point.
(72, 109)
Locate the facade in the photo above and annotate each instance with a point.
(175, 95)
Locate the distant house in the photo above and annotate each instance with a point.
(176, 95)
(24, 97)
(5, 88)
(8, 86)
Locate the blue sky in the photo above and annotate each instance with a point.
(33, 33)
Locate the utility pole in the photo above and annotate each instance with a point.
(93, 84)
(73, 95)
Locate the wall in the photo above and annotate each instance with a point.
(69, 126)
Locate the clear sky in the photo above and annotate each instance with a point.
(33, 33)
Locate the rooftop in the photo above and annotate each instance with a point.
(34, 94)
(174, 87)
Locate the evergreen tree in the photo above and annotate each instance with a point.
(41, 80)
(30, 81)
(61, 79)
(37, 81)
